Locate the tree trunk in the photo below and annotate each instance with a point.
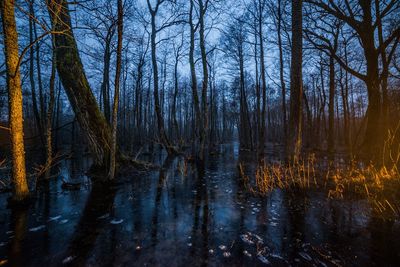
(157, 108)
(20, 185)
(105, 85)
(76, 85)
(174, 120)
(49, 119)
(36, 113)
(204, 128)
(281, 76)
(296, 82)
(331, 106)
(196, 104)
(263, 80)
(244, 124)
(372, 146)
(111, 172)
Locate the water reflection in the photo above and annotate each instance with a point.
(95, 216)
(203, 216)
(19, 224)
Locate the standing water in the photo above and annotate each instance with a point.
(185, 216)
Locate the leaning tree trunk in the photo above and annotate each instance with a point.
(296, 83)
(20, 185)
(76, 85)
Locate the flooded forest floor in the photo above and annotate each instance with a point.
(181, 215)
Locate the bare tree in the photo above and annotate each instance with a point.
(20, 185)
(296, 81)
(114, 124)
(76, 85)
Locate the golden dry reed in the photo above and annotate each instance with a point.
(378, 185)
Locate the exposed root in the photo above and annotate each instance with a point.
(127, 161)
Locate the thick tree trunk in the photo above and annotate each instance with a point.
(76, 85)
(372, 146)
(20, 185)
(296, 81)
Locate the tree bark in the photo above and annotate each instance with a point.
(20, 185)
(36, 113)
(296, 82)
(76, 85)
(49, 118)
(160, 118)
(105, 85)
(331, 106)
(114, 124)
(204, 106)
(196, 104)
(281, 74)
(263, 79)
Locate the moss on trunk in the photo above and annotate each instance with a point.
(76, 85)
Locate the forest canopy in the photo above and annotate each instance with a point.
(308, 75)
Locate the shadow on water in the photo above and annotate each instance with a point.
(200, 216)
(98, 208)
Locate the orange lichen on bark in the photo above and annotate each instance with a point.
(20, 184)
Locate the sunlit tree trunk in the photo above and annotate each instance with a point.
(49, 119)
(20, 185)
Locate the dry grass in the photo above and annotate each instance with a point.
(381, 186)
(268, 177)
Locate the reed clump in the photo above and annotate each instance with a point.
(380, 185)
